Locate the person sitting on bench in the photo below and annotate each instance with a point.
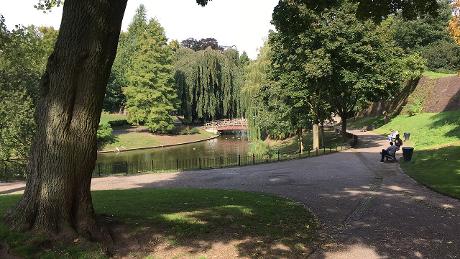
(389, 152)
(398, 142)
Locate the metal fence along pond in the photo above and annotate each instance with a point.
(15, 169)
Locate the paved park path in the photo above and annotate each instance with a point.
(367, 209)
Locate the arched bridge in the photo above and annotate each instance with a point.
(226, 125)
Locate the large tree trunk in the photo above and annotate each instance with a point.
(322, 141)
(315, 136)
(300, 134)
(57, 198)
(344, 124)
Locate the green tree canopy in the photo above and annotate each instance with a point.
(333, 61)
(23, 55)
(428, 36)
(265, 118)
(208, 83)
(150, 94)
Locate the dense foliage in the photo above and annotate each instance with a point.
(332, 62)
(104, 134)
(443, 56)
(208, 83)
(429, 36)
(23, 55)
(202, 44)
(150, 96)
(265, 118)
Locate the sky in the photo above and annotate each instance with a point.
(243, 23)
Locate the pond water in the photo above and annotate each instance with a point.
(226, 147)
(231, 149)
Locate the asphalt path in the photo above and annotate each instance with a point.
(366, 209)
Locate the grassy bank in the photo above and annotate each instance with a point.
(436, 75)
(130, 140)
(110, 117)
(436, 138)
(124, 139)
(428, 130)
(184, 223)
(438, 168)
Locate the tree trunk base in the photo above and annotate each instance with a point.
(94, 230)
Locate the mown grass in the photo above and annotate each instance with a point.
(427, 129)
(436, 138)
(439, 169)
(186, 217)
(436, 75)
(36, 246)
(132, 140)
(108, 117)
(365, 122)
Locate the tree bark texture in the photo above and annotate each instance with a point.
(322, 140)
(57, 197)
(300, 134)
(315, 136)
(344, 124)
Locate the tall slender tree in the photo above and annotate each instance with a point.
(150, 94)
(265, 112)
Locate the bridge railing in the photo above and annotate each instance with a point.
(226, 123)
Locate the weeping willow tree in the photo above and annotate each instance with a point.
(255, 76)
(208, 83)
(267, 115)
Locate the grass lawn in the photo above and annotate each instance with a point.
(132, 140)
(436, 75)
(436, 138)
(129, 140)
(427, 129)
(187, 223)
(437, 168)
(107, 117)
(364, 122)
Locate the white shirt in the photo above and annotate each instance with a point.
(392, 149)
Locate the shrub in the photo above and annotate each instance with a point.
(104, 134)
(189, 131)
(118, 123)
(259, 148)
(415, 108)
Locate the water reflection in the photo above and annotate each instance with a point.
(225, 146)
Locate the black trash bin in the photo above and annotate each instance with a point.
(406, 136)
(407, 153)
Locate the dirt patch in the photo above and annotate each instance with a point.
(445, 95)
(141, 242)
